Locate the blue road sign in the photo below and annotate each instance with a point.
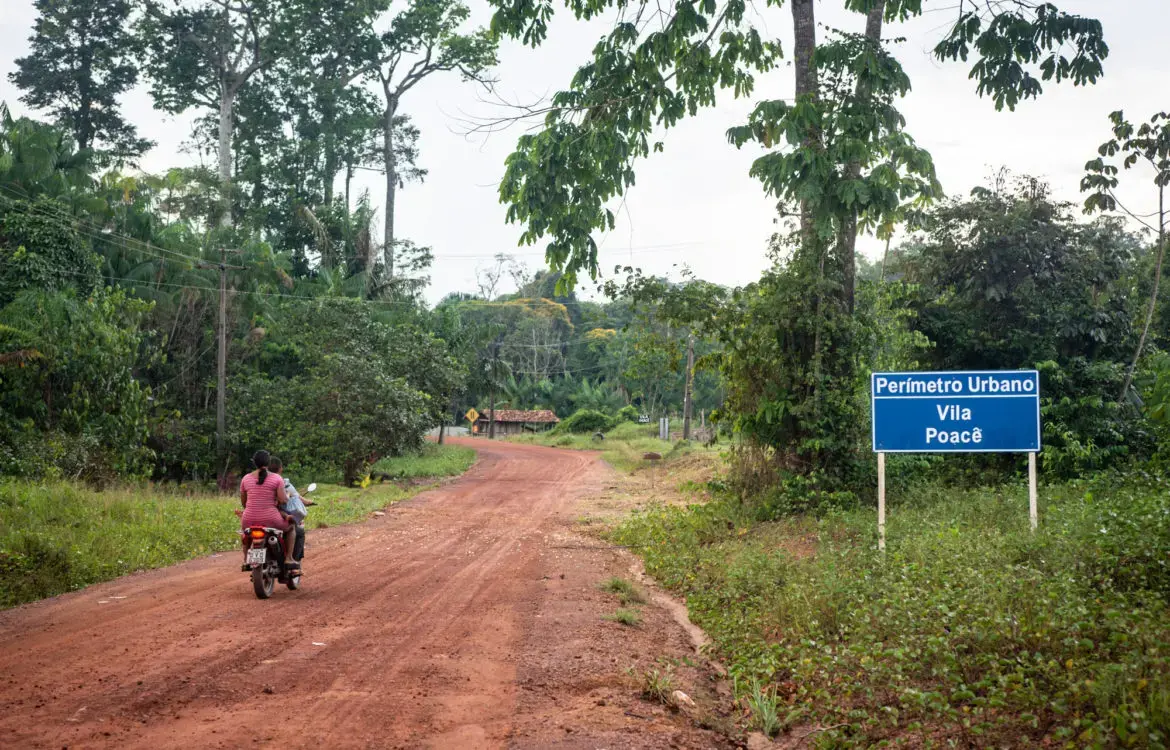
(995, 411)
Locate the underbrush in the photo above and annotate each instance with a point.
(969, 630)
(623, 447)
(59, 536)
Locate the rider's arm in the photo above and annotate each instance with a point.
(243, 497)
(281, 499)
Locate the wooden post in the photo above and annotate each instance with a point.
(1033, 513)
(221, 360)
(689, 384)
(881, 501)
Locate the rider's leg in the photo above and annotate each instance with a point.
(289, 541)
(299, 547)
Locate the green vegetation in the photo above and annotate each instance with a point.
(586, 420)
(625, 616)
(623, 447)
(58, 536)
(626, 592)
(970, 629)
(765, 706)
(431, 461)
(658, 685)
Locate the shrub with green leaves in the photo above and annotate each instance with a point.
(70, 405)
(969, 629)
(338, 389)
(628, 413)
(586, 420)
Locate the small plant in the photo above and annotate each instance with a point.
(626, 591)
(765, 709)
(658, 685)
(625, 617)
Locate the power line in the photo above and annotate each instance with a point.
(69, 222)
(98, 231)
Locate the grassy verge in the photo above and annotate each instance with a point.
(56, 537)
(970, 631)
(431, 461)
(623, 446)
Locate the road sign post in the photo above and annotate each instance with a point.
(995, 411)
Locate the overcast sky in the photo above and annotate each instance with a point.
(695, 204)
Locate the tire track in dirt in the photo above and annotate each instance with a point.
(426, 615)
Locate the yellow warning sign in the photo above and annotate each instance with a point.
(472, 415)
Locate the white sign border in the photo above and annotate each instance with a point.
(873, 408)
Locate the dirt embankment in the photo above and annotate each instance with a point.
(466, 618)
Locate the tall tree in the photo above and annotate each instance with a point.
(337, 48)
(1147, 144)
(205, 55)
(644, 78)
(423, 40)
(81, 60)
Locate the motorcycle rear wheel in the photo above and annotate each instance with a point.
(262, 583)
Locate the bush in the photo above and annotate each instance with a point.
(586, 420)
(628, 413)
(338, 389)
(70, 405)
(39, 251)
(341, 418)
(969, 630)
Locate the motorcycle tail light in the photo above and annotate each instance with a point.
(257, 533)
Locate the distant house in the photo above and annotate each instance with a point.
(516, 421)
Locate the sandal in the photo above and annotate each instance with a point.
(293, 566)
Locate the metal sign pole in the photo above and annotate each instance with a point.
(1033, 515)
(881, 456)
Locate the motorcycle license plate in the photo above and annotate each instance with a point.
(257, 556)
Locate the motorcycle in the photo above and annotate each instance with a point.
(265, 555)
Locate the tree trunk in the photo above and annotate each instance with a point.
(391, 185)
(348, 181)
(805, 43)
(1137, 355)
(83, 124)
(329, 126)
(805, 36)
(226, 105)
(847, 242)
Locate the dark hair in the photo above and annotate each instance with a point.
(261, 459)
(275, 464)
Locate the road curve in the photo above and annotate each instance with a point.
(406, 634)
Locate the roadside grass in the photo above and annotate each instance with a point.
(657, 684)
(625, 616)
(432, 461)
(58, 536)
(623, 446)
(968, 631)
(626, 592)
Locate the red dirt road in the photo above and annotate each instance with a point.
(461, 619)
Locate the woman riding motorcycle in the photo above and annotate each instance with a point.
(261, 494)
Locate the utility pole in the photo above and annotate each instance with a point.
(495, 375)
(690, 381)
(221, 356)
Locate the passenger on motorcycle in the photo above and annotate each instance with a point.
(261, 494)
(295, 507)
